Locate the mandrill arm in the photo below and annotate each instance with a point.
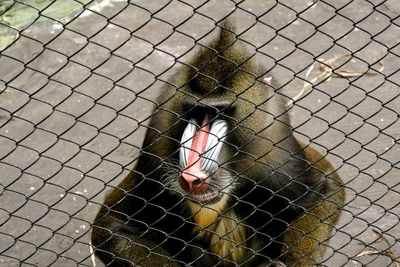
(118, 244)
(307, 237)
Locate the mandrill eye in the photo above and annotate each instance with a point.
(200, 147)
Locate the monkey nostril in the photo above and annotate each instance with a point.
(196, 183)
(189, 185)
(193, 183)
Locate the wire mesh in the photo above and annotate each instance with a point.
(78, 88)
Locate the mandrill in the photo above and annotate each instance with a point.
(221, 180)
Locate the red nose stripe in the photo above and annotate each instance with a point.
(194, 173)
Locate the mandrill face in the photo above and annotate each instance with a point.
(201, 176)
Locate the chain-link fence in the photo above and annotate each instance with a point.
(79, 82)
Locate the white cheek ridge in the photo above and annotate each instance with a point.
(214, 144)
(186, 143)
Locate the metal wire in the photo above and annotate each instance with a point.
(78, 83)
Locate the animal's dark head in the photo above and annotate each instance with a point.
(227, 119)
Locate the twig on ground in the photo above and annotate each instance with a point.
(328, 71)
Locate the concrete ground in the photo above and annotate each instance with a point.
(76, 94)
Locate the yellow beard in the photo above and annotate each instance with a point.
(222, 228)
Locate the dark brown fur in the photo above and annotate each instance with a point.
(276, 178)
